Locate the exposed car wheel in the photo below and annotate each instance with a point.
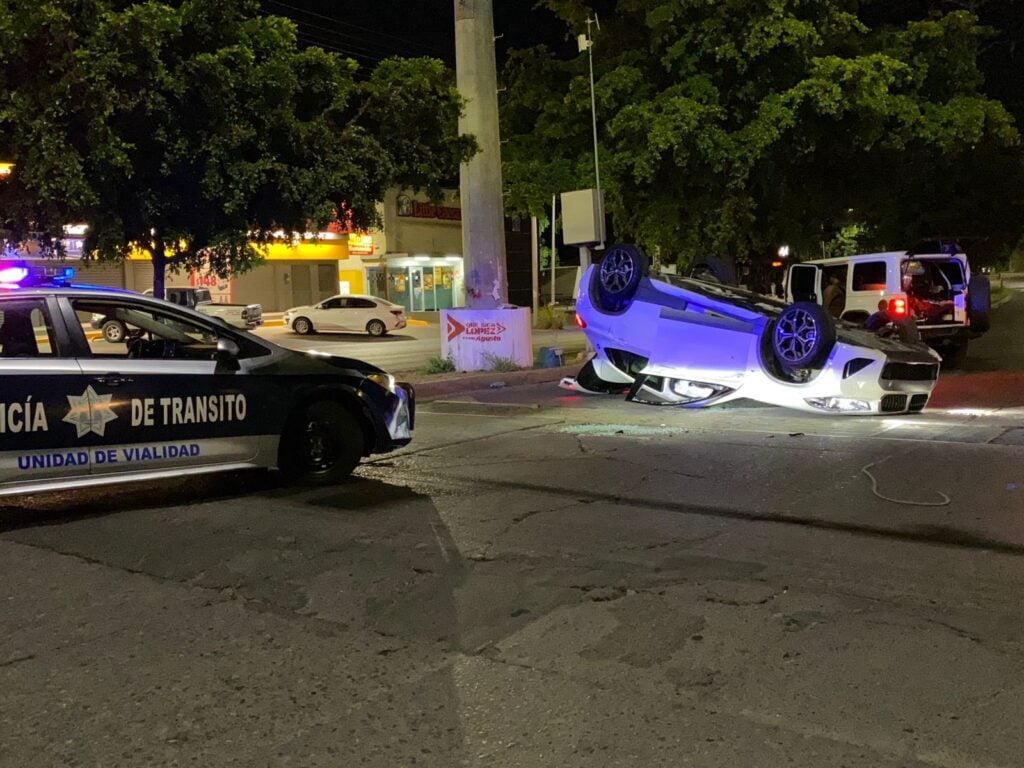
(907, 331)
(322, 446)
(589, 380)
(302, 326)
(953, 355)
(618, 276)
(704, 273)
(802, 336)
(114, 331)
(376, 328)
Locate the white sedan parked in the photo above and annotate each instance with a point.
(360, 314)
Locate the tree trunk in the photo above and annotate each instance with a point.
(159, 255)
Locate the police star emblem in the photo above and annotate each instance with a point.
(91, 412)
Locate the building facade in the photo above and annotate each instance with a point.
(415, 260)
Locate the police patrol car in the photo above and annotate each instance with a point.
(182, 394)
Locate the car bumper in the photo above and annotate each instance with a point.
(397, 420)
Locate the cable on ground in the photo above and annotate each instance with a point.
(874, 489)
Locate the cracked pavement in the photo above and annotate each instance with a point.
(587, 583)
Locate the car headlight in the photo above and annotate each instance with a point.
(839, 404)
(694, 390)
(384, 380)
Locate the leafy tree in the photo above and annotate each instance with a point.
(735, 126)
(196, 130)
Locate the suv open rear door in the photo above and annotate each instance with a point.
(804, 283)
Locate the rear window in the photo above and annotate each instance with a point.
(954, 272)
(869, 276)
(25, 329)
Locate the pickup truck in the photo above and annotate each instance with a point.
(247, 316)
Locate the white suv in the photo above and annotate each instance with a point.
(933, 285)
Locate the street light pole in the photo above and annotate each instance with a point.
(587, 41)
(593, 100)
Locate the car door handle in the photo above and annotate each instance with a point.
(113, 380)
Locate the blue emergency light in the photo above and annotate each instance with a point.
(15, 274)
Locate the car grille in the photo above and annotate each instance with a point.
(911, 371)
(893, 403)
(917, 402)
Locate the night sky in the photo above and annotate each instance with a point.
(370, 30)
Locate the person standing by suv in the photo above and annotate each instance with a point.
(832, 299)
(879, 319)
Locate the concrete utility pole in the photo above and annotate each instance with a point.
(483, 215)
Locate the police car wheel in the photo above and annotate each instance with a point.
(376, 328)
(114, 331)
(302, 326)
(323, 446)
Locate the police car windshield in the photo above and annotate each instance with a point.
(163, 327)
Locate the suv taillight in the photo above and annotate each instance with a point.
(898, 307)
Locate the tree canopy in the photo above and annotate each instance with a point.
(734, 127)
(196, 130)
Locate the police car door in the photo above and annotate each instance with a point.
(162, 399)
(39, 380)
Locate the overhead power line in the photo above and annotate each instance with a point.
(340, 23)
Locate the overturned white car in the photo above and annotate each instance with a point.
(679, 341)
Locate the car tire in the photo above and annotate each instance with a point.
(302, 326)
(321, 446)
(907, 331)
(114, 331)
(953, 355)
(617, 276)
(980, 307)
(592, 382)
(802, 336)
(376, 328)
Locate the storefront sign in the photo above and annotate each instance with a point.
(220, 287)
(416, 209)
(476, 338)
(360, 245)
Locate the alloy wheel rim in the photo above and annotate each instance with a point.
(322, 450)
(616, 271)
(795, 336)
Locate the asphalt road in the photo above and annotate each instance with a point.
(544, 579)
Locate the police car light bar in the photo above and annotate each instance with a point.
(14, 274)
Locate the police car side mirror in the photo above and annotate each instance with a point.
(227, 349)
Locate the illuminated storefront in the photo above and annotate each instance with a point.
(416, 259)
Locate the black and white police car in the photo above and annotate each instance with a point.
(182, 394)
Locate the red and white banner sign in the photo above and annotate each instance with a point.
(475, 338)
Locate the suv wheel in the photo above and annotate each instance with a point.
(114, 331)
(802, 336)
(618, 275)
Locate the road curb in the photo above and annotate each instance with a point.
(427, 390)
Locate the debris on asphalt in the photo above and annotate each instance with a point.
(496, 385)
